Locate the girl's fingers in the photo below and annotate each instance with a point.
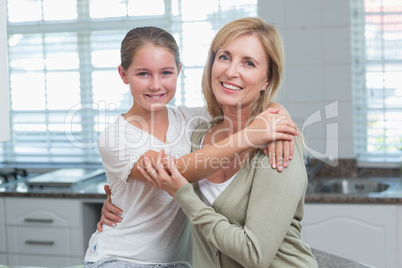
(286, 152)
(292, 149)
(271, 111)
(287, 130)
(271, 154)
(279, 155)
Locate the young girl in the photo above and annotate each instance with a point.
(155, 230)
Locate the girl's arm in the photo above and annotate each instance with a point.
(281, 151)
(265, 128)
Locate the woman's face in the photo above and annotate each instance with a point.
(239, 72)
(152, 78)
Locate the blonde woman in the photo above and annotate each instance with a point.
(246, 214)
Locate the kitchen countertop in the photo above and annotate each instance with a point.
(94, 189)
(393, 195)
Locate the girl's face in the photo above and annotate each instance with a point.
(152, 77)
(239, 72)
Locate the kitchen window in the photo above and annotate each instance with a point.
(63, 58)
(376, 33)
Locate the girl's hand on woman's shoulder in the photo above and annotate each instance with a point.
(281, 129)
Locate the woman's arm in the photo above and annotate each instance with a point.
(272, 204)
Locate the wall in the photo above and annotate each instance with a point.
(317, 82)
(4, 91)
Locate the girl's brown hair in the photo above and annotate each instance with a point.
(139, 37)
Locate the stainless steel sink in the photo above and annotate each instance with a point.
(352, 186)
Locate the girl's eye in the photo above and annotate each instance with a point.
(166, 73)
(143, 74)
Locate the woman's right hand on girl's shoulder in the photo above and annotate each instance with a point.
(110, 214)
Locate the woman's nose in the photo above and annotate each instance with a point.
(232, 69)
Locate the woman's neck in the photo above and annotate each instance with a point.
(234, 120)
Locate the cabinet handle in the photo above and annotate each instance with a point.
(38, 220)
(37, 242)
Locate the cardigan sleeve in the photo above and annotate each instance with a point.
(273, 201)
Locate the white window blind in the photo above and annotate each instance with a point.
(63, 58)
(377, 79)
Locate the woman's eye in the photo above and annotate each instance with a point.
(250, 63)
(142, 74)
(224, 57)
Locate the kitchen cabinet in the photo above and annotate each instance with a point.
(3, 256)
(362, 232)
(48, 231)
(400, 235)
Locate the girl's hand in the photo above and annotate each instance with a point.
(111, 214)
(280, 151)
(270, 126)
(164, 175)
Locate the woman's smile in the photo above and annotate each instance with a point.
(231, 87)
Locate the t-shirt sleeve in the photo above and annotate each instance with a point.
(120, 151)
(199, 115)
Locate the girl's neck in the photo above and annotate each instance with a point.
(155, 122)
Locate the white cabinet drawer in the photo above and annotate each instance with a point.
(43, 212)
(45, 241)
(42, 261)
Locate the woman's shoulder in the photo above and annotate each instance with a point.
(296, 165)
(198, 134)
(189, 111)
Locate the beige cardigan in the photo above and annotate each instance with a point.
(255, 222)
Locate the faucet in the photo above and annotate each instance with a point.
(312, 171)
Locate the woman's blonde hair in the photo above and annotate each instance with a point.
(272, 43)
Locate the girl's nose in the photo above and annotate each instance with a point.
(155, 84)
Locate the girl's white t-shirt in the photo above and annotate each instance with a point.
(154, 228)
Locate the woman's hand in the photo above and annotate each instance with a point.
(164, 175)
(111, 214)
